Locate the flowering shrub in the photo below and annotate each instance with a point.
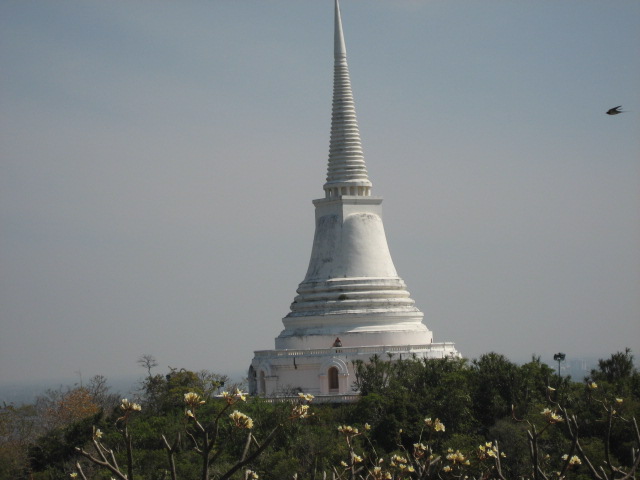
(486, 419)
(205, 438)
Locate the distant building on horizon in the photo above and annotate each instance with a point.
(352, 304)
(579, 368)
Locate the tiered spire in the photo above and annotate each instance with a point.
(351, 304)
(347, 172)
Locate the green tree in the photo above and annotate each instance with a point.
(617, 374)
(495, 384)
(401, 393)
(19, 427)
(164, 393)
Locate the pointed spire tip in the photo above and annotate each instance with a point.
(339, 46)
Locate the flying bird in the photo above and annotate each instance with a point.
(615, 111)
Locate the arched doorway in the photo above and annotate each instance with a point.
(262, 389)
(334, 380)
(252, 378)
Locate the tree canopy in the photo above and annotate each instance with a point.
(416, 418)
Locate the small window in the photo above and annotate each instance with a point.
(334, 383)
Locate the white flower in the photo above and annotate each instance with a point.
(240, 395)
(192, 399)
(348, 430)
(128, 406)
(307, 397)
(436, 424)
(456, 457)
(241, 420)
(397, 460)
(234, 397)
(300, 411)
(552, 417)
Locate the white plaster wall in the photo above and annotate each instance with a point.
(349, 240)
(307, 371)
(364, 251)
(309, 375)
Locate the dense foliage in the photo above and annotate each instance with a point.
(416, 418)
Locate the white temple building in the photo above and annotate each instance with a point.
(352, 304)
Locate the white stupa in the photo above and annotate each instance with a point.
(352, 304)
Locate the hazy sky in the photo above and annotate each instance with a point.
(158, 162)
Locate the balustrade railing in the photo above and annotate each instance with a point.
(345, 398)
(372, 350)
